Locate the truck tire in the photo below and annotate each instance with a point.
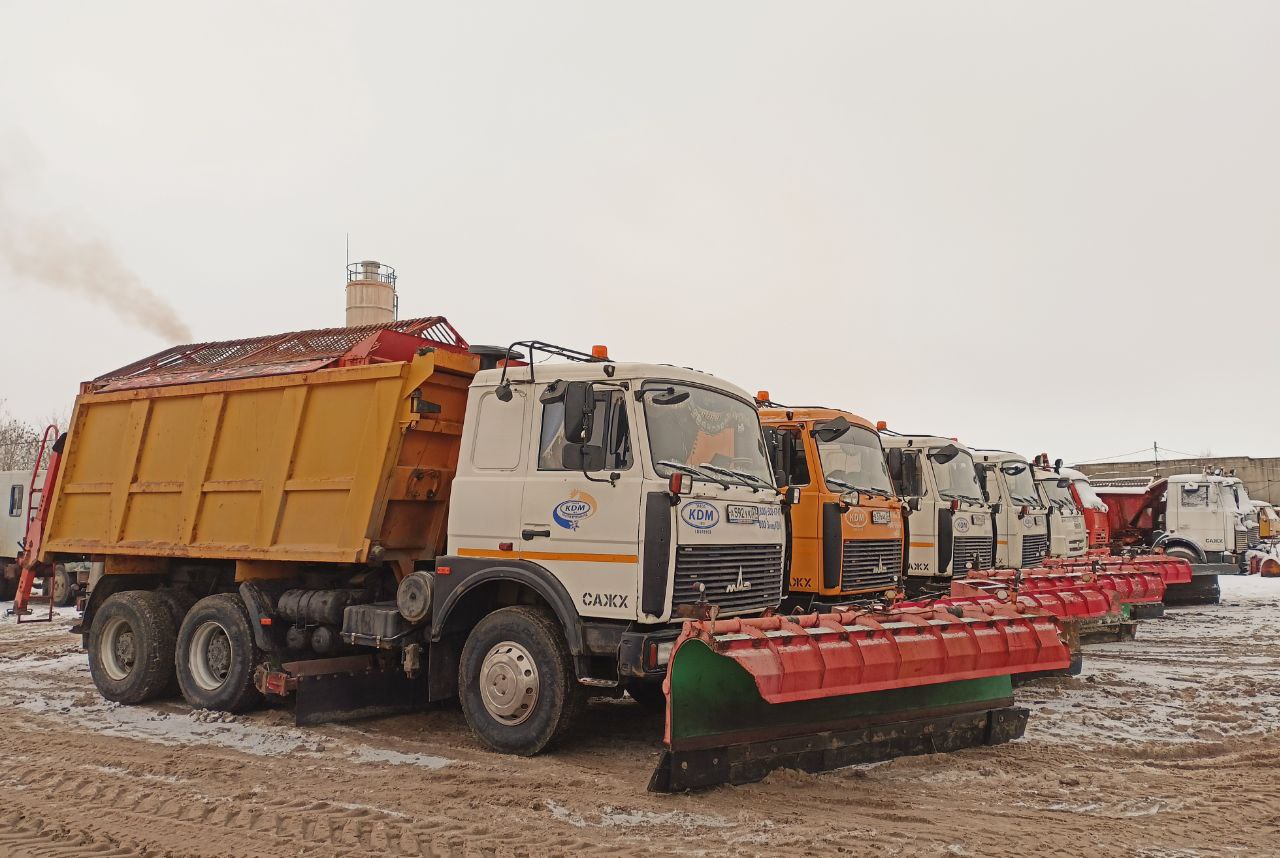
(1182, 554)
(216, 655)
(64, 587)
(131, 646)
(516, 681)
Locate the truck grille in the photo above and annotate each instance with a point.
(967, 548)
(719, 566)
(868, 563)
(1034, 548)
(1246, 538)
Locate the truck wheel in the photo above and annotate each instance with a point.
(1182, 554)
(64, 586)
(216, 655)
(517, 683)
(131, 646)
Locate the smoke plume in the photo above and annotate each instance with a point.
(47, 255)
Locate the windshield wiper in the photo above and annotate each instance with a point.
(836, 481)
(874, 491)
(692, 471)
(742, 475)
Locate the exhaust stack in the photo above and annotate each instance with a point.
(371, 294)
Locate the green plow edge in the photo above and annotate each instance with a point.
(712, 695)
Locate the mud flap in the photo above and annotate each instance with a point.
(828, 750)
(347, 689)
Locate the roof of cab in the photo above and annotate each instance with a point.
(595, 371)
(807, 414)
(925, 442)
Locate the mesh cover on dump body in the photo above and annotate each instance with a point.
(279, 354)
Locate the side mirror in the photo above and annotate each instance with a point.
(680, 483)
(1022, 513)
(779, 477)
(831, 429)
(913, 504)
(995, 508)
(942, 455)
(1057, 466)
(579, 411)
(583, 457)
(791, 495)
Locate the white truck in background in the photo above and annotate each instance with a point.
(16, 486)
(950, 527)
(1068, 536)
(1022, 520)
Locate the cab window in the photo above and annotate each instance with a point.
(15, 500)
(1194, 496)
(610, 430)
(786, 455)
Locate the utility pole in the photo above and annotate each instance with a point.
(1155, 448)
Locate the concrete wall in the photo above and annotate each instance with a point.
(1261, 476)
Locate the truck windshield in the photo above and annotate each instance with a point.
(1057, 496)
(957, 477)
(855, 459)
(696, 426)
(1243, 503)
(1022, 488)
(1088, 496)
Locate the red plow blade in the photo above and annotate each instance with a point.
(819, 691)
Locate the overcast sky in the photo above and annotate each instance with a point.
(1044, 227)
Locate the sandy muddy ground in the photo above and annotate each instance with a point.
(1165, 746)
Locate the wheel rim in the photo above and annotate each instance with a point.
(116, 649)
(210, 655)
(509, 683)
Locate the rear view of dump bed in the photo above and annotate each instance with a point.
(323, 446)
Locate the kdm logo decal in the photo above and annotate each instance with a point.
(571, 513)
(700, 515)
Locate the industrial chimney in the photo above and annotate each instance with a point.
(371, 294)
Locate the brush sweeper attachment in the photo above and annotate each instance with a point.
(820, 691)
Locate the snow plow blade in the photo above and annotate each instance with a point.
(821, 691)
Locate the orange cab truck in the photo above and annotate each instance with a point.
(847, 527)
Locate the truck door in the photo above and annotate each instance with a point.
(578, 525)
(790, 460)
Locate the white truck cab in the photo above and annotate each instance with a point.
(1022, 520)
(1207, 519)
(1067, 532)
(634, 494)
(14, 486)
(950, 526)
(1212, 512)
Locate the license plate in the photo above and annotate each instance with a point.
(739, 514)
(880, 516)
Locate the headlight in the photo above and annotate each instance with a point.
(664, 651)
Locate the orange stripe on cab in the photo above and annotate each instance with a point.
(548, 555)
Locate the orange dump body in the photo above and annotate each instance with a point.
(838, 550)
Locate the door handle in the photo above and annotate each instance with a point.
(529, 533)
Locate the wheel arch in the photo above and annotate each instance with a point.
(501, 585)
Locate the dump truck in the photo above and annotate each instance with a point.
(365, 520)
(1021, 517)
(1206, 520)
(952, 526)
(847, 526)
(1067, 535)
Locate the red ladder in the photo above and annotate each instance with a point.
(37, 515)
